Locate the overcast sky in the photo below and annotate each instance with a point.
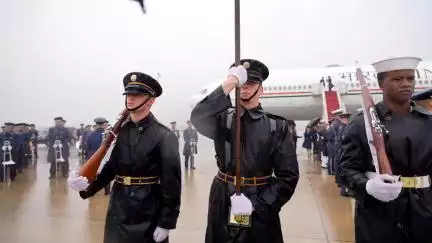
(68, 58)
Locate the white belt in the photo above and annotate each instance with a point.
(416, 181)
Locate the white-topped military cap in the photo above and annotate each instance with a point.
(398, 63)
(337, 112)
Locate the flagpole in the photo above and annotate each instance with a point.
(237, 152)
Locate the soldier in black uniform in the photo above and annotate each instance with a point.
(267, 148)
(60, 133)
(174, 129)
(34, 139)
(396, 209)
(189, 135)
(145, 164)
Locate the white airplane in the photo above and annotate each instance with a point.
(299, 95)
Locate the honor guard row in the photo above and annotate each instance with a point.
(145, 165)
(18, 144)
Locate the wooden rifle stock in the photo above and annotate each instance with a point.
(90, 168)
(375, 125)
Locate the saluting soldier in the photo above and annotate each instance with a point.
(423, 101)
(267, 147)
(145, 164)
(60, 133)
(397, 208)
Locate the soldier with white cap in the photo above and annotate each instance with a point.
(392, 208)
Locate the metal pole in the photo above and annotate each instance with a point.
(237, 152)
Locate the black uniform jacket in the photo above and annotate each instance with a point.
(143, 149)
(409, 148)
(262, 153)
(62, 134)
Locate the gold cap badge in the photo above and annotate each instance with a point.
(246, 65)
(133, 78)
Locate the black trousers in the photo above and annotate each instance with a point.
(63, 166)
(187, 161)
(12, 172)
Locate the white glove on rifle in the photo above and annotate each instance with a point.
(239, 73)
(160, 234)
(241, 205)
(77, 182)
(382, 190)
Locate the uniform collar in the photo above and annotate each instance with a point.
(145, 122)
(383, 109)
(255, 113)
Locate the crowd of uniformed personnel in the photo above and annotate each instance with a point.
(322, 141)
(18, 142)
(145, 162)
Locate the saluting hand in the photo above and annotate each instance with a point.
(239, 73)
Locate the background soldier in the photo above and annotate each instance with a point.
(8, 136)
(145, 164)
(34, 139)
(58, 132)
(267, 147)
(174, 129)
(392, 208)
(189, 134)
(94, 141)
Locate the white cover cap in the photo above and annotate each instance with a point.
(398, 63)
(337, 112)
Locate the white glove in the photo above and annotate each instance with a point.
(76, 182)
(239, 73)
(241, 205)
(160, 234)
(381, 190)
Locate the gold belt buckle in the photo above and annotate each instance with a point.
(409, 182)
(127, 180)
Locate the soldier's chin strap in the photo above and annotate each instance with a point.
(136, 108)
(253, 95)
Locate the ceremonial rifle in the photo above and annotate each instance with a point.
(90, 168)
(374, 129)
(237, 220)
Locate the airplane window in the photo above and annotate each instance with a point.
(304, 86)
(294, 87)
(420, 82)
(203, 91)
(290, 87)
(309, 86)
(426, 82)
(352, 85)
(280, 87)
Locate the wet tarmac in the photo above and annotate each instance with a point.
(35, 209)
